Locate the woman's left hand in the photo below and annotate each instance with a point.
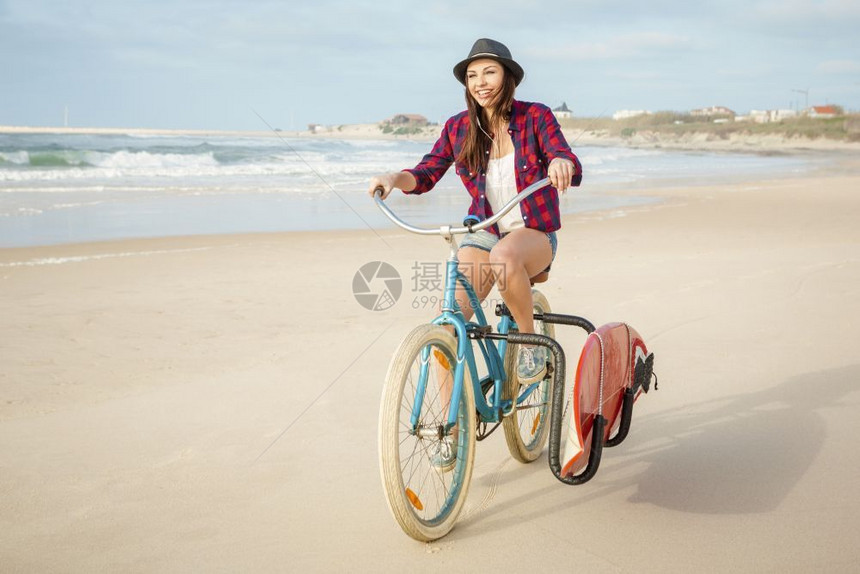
(560, 173)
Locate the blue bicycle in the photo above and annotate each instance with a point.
(448, 385)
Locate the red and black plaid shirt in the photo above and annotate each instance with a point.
(537, 141)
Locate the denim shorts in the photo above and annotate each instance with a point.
(486, 240)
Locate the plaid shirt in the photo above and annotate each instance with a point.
(537, 141)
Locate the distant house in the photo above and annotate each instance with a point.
(768, 116)
(563, 112)
(412, 120)
(721, 111)
(624, 114)
(822, 112)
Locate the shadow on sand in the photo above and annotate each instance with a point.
(739, 454)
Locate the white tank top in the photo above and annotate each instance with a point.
(501, 188)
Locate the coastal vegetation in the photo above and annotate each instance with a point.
(406, 130)
(842, 127)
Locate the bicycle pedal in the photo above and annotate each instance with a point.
(479, 332)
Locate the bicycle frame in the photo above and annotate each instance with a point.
(493, 357)
(452, 315)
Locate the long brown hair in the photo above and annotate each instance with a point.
(474, 152)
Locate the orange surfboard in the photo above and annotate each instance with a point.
(605, 371)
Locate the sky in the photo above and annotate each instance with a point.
(233, 64)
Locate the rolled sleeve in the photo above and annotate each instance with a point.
(554, 145)
(434, 165)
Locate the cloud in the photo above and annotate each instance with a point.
(808, 12)
(624, 47)
(806, 17)
(839, 67)
(637, 75)
(336, 61)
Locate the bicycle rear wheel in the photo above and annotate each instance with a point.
(527, 427)
(425, 497)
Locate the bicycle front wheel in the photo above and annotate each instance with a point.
(527, 427)
(425, 489)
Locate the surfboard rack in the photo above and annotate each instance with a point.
(555, 318)
(642, 375)
(640, 382)
(560, 368)
(594, 456)
(626, 417)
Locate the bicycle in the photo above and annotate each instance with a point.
(437, 402)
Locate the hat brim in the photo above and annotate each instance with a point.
(512, 67)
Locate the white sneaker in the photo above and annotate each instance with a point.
(531, 366)
(445, 457)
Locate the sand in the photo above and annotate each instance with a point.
(209, 404)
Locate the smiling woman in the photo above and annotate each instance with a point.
(500, 146)
(491, 89)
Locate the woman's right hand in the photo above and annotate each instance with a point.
(386, 182)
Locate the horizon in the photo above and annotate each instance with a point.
(185, 66)
(278, 130)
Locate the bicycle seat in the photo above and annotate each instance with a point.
(540, 277)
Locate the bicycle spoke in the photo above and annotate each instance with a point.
(421, 478)
(424, 496)
(526, 427)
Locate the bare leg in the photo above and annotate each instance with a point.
(520, 255)
(474, 264)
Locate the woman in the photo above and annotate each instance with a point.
(500, 146)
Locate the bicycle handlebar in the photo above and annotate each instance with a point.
(456, 230)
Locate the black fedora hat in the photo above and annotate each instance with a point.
(486, 48)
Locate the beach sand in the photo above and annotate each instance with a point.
(210, 404)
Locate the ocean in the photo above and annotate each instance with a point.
(59, 188)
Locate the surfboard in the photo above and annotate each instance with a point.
(606, 369)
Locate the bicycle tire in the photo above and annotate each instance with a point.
(424, 500)
(527, 426)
